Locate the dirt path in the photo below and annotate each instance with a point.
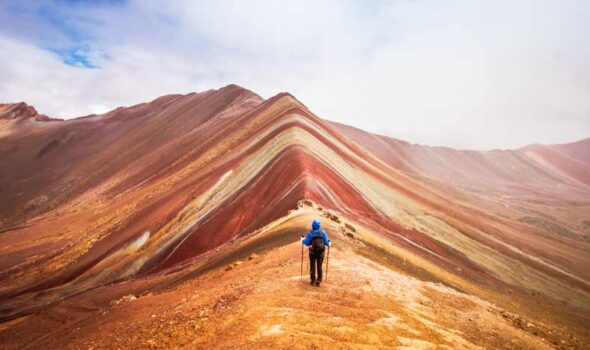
(262, 303)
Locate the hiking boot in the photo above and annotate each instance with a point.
(317, 283)
(312, 282)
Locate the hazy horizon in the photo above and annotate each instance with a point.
(477, 75)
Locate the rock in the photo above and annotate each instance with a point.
(253, 256)
(129, 297)
(350, 234)
(306, 202)
(332, 217)
(228, 267)
(350, 227)
(126, 298)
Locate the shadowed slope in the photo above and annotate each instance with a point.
(47, 164)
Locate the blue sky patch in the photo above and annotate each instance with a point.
(75, 45)
(77, 57)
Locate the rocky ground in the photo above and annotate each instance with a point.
(262, 302)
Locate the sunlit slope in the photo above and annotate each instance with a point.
(248, 294)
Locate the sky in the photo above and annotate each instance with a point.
(463, 74)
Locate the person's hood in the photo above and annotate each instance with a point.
(315, 225)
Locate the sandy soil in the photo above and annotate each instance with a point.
(262, 302)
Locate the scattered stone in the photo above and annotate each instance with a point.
(126, 298)
(306, 202)
(332, 217)
(234, 264)
(350, 227)
(350, 234)
(253, 256)
(129, 297)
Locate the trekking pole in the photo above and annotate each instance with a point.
(327, 263)
(301, 277)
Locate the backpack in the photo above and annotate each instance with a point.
(317, 243)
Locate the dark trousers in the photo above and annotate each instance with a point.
(315, 262)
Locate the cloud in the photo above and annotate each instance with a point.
(470, 75)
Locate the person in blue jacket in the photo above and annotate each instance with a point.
(316, 240)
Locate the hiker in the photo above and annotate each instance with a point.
(316, 240)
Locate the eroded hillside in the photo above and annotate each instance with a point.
(132, 222)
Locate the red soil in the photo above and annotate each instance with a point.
(130, 200)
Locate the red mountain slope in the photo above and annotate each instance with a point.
(143, 198)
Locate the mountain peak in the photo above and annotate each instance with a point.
(21, 110)
(289, 97)
(195, 203)
(234, 88)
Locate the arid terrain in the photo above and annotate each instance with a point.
(176, 223)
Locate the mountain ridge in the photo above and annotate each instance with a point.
(280, 94)
(149, 197)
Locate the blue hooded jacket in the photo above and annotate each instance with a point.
(315, 227)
